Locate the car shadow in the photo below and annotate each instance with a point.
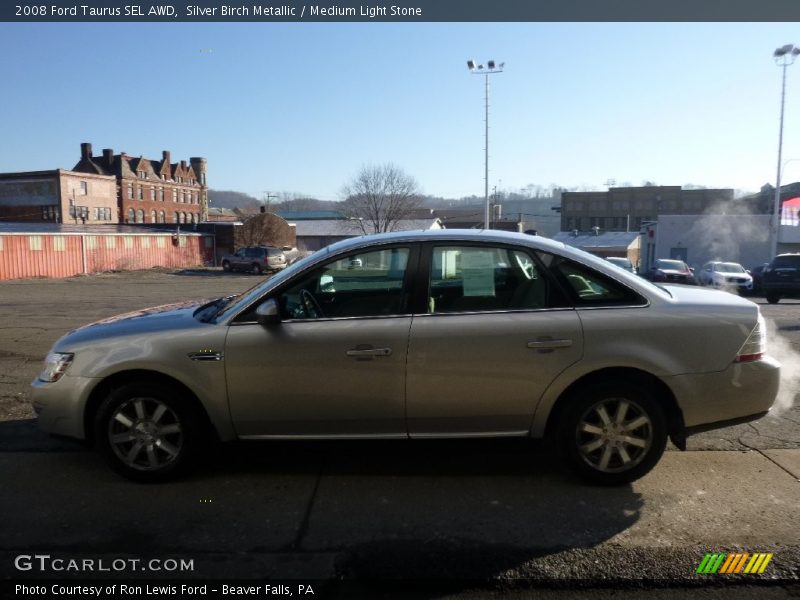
(454, 511)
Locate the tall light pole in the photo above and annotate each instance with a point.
(490, 69)
(784, 56)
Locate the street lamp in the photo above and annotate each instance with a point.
(784, 56)
(490, 69)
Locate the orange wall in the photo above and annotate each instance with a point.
(53, 255)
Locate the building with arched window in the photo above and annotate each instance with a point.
(137, 178)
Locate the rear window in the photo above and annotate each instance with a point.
(671, 264)
(784, 262)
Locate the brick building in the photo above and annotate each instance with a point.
(625, 208)
(152, 191)
(58, 196)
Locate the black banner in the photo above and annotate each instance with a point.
(400, 11)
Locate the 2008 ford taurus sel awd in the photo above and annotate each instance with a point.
(436, 334)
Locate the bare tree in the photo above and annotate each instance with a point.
(379, 196)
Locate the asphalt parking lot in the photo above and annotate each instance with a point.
(458, 513)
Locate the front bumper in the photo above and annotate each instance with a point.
(60, 406)
(741, 390)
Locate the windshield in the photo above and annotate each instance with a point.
(677, 265)
(730, 268)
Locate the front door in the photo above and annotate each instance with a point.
(335, 366)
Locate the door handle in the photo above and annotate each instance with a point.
(549, 344)
(369, 352)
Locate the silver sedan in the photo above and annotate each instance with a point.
(436, 334)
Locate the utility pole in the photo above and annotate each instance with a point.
(267, 197)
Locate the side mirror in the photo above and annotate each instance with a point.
(267, 313)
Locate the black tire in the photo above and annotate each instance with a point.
(577, 446)
(147, 432)
(773, 298)
(226, 266)
(256, 269)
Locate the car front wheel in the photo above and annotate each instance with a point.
(773, 298)
(612, 433)
(226, 266)
(146, 432)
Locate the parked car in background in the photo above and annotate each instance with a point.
(757, 274)
(255, 259)
(781, 278)
(622, 263)
(667, 270)
(729, 275)
(441, 334)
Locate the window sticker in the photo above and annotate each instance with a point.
(477, 269)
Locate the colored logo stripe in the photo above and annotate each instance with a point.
(722, 563)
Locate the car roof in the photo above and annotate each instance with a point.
(454, 235)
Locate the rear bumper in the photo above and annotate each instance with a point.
(739, 392)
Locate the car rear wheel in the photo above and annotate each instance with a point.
(256, 269)
(147, 432)
(612, 433)
(773, 298)
(226, 266)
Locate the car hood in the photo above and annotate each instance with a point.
(162, 318)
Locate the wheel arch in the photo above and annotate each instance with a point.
(102, 389)
(648, 381)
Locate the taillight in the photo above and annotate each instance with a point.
(755, 347)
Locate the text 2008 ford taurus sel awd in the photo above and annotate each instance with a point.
(436, 334)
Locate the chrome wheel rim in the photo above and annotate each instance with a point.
(614, 435)
(145, 434)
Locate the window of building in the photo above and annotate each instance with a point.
(162, 217)
(59, 243)
(49, 213)
(140, 193)
(177, 218)
(131, 215)
(140, 216)
(153, 217)
(174, 195)
(161, 194)
(203, 178)
(142, 175)
(152, 193)
(130, 191)
(107, 214)
(35, 242)
(84, 188)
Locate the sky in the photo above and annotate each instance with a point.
(301, 107)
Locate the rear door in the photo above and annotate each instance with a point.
(494, 333)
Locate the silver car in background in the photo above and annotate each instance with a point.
(436, 334)
(728, 275)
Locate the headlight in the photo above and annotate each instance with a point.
(55, 365)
